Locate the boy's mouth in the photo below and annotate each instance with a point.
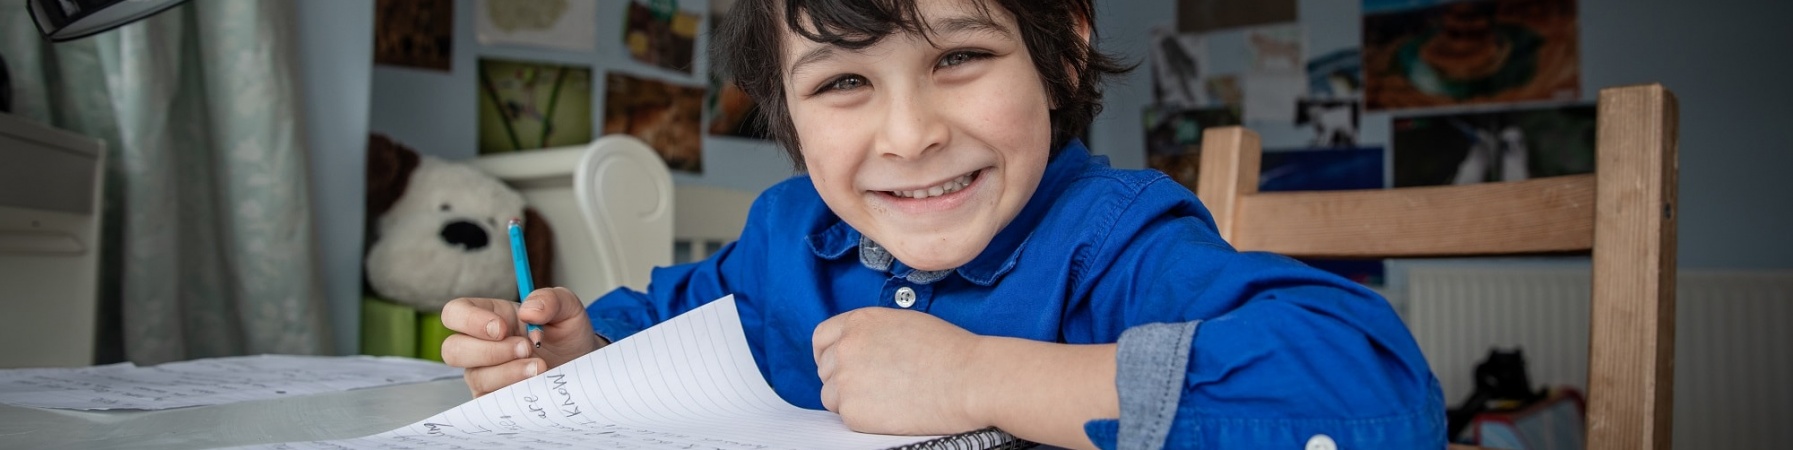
(950, 186)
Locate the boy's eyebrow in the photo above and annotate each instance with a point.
(959, 24)
(817, 54)
(947, 25)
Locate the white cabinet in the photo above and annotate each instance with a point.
(50, 183)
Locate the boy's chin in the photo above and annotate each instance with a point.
(931, 259)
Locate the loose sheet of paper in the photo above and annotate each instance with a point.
(687, 383)
(208, 381)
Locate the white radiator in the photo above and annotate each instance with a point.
(1733, 340)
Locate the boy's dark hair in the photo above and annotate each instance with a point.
(747, 46)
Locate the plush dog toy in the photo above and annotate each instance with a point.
(437, 230)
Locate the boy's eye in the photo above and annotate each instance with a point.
(960, 57)
(845, 83)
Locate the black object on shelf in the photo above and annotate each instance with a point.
(1500, 379)
(67, 20)
(5, 86)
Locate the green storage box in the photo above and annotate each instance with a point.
(391, 329)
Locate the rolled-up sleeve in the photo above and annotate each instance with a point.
(1148, 392)
(1252, 350)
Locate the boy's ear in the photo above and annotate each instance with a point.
(1084, 29)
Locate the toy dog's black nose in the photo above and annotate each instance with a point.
(465, 234)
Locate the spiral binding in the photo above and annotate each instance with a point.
(984, 439)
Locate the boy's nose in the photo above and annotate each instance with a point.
(913, 127)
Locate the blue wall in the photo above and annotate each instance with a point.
(335, 57)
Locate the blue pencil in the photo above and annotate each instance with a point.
(520, 257)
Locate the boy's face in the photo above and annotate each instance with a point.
(928, 149)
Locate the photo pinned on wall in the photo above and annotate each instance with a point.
(1177, 69)
(661, 34)
(1337, 74)
(666, 116)
(1327, 170)
(414, 33)
(1493, 146)
(1174, 139)
(530, 105)
(1333, 121)
(1276, 77)
(1425, 53)
(564, 24)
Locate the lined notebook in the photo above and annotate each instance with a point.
(687, 383)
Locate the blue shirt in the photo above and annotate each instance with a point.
(1217, 348)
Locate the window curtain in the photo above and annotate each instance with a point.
(208, 242)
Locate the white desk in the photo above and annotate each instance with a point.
(334, 415)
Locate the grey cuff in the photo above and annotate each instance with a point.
(1150, 364)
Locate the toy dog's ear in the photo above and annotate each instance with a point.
(538, 239)
(389, 167)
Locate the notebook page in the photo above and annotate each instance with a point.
(690, 382)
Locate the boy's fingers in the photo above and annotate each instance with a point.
(826, 333)
(825, 366)
(550, 305)
(830, 397)
(482, 317)
(484, 380)
(460, 350)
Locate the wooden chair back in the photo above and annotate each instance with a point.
(1623, 214)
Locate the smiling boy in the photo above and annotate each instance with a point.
(953, 259)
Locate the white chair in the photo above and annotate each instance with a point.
(625, 194)
(50, 185)
(706, 218)
(610, 204)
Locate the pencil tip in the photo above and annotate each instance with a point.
(538, 344)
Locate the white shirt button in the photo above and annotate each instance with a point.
(905, 297)
(1321, 442)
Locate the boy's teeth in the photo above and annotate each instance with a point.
(935, 191)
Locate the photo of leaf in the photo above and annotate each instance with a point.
(528, 105)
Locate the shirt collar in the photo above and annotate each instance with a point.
(997, 258)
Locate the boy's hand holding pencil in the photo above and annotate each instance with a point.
(501, 342)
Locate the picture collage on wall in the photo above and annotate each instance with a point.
(1470, 91)
(554, 73)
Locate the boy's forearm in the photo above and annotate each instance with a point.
(1044, 392)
